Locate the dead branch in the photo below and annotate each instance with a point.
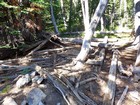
(72, 89)
(87, 99)
(56, 43)
(109, 96)
(59, 85)
(87, 80)
(38, 47)
(122, 96)
(53, 50)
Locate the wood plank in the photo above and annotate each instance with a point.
(109, 96)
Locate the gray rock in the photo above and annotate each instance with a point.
(39, 80)
(40, 103)
(23, 81)
(33, 74)
(134, 95)
(24, 102)
(9, 101)
(35, 79)
(35, 96)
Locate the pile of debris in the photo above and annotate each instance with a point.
(47, 77)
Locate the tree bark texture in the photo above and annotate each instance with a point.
(137, 28)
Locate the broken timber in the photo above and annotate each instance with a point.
(101, 55)
(122, 96)
(109, 96)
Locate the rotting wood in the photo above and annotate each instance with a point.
(109, 96)
(122, 96)
(121, 69)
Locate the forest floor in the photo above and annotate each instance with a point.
(56, 64)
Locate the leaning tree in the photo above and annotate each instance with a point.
(137, 29)
(82, 56)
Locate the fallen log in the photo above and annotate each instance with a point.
(101, 55)
(60, 86)
(101, 32)
(87, 80)
(85, 99)
(121, 69)
(72, 89)
(122, 96)
(53, 50)
(109, 96)
(80, 40)
(33, 46)
(38, 47)
(64, 92)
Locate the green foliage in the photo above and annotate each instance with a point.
(25, 71)
(6, 89)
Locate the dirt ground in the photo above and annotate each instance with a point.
(56, 63)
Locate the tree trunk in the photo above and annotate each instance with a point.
(120, 22)
(82, 56)
(85, 11)
(70, 16)
(63, 14)
(53, 18)
(137, 28)
(102, 24)
(113, 13)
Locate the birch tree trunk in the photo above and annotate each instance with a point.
(102, 24)
(120, 22)
(88, 35)
(137, 29)
(85, 11)
(113, 13)
(63, 13)
(125, 18)
(53, 18)
(70, 16)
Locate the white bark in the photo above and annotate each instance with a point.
(137, 28)
(53, 18)
(102, 24)
(85, 11)
(88, 35)
(63, 15)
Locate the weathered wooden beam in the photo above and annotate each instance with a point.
(101, 55)
(109, 96)
(122, 96)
